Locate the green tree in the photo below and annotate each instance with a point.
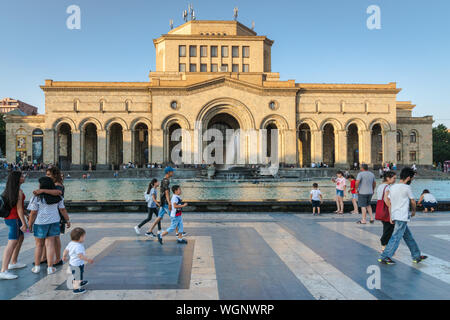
(441, 143)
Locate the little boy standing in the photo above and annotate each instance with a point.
(75, 250)
(175, 216)
(315, 197)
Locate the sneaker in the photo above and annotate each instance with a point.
(7, 276)
(83, 283)
(420, 259)
(159, 238)
(16, 266)
(51, 270)
(36, 269)
(183, 234)
(60, 263)
(150, 234)
(138, 232)
(79, 291)
(182, 241)
(386, 261)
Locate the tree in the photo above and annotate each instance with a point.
(441, 144)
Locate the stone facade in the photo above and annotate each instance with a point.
(109, 123)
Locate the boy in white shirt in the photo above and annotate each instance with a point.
(315, 197)
(175, 216)
(399, 198)
(75, 250)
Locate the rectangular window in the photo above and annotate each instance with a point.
(399, 156)
(203, 67)
(245, 68)
(235, 51)
(224, 68)
(203, 51)
(412, 156)
(193, 51)
(193, 67)
(182, 51)
(213, 51)
(214, 67)
(235, 68)
(224, 51)
(246, 51)
(182, 67)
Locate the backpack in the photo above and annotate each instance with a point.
(382, 211)
(4, 208)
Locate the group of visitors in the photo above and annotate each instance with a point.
(24, 166)
(47, 218)
(319, 165)
(171, 206)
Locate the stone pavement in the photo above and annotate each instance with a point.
(243, 256)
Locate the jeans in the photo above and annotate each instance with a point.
(176, 222)
(401, 230)
(163, 210)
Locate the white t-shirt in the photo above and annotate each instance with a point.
(46, 213)
(75, 248)
(175, 200)
(400, 195)
(315, 194)
(428, 197)
(381, 189)
(340, 183)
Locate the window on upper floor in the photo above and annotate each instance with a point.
(224, 68)
(245, 68)
(182, 67)
(235, 51)
(413, 137)
(203, 67)
(412, 156)
(193, 51)
(399, 136)
(214, 67)
(235, 68)
(192, 67)
(213, 51)
(246, 51)
(224, 51)
(182, 51)
(203, 51)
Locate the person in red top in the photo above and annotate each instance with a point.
(14, 198)
(354, 192)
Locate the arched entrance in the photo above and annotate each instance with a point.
(270, 138)
(173, 155)
(90, 145)
(328, 145)
(377, 144)
(115, 145)
(64, 146)
(304, 143)
(352, 144)
(223, 122)
(141, 144)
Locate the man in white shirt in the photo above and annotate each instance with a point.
(400, 197)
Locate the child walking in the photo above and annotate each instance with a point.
(75, 250)
(340, 191)
(152, 207)
(354, 193)
(175, 216)
(315, 197)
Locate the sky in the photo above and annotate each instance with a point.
(321, 41)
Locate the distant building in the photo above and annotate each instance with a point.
(8, 104)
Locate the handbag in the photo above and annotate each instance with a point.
(382, 210)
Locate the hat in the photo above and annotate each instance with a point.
(169, 169)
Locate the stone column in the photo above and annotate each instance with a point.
(340, 147)
(365, 146)
(150, 144)
(316, 146)
(290, 143)
(102, 160)
(389, 146)
(127, 148)
(50, 146)
(77, 150)
(158, 146)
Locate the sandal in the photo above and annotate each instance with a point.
(360, 222)
(372, 221)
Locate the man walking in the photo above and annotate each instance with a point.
(400, 198)
(365, 184)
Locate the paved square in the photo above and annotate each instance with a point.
(244, 256)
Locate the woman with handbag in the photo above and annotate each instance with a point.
(383, 211)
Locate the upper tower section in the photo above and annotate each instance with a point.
(213, 46)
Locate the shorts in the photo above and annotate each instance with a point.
(355, 196)
(364, 200)
(77, 272)
(176, 222)
(163, 210)
(340, 193)
(14, 228)
(315, 203)
(42, 231)
(426, 205)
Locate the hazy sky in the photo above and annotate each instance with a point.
(325, 41)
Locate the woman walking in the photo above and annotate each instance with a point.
(45, 223)
(14, 198)
(383, 208)
(152, 206)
